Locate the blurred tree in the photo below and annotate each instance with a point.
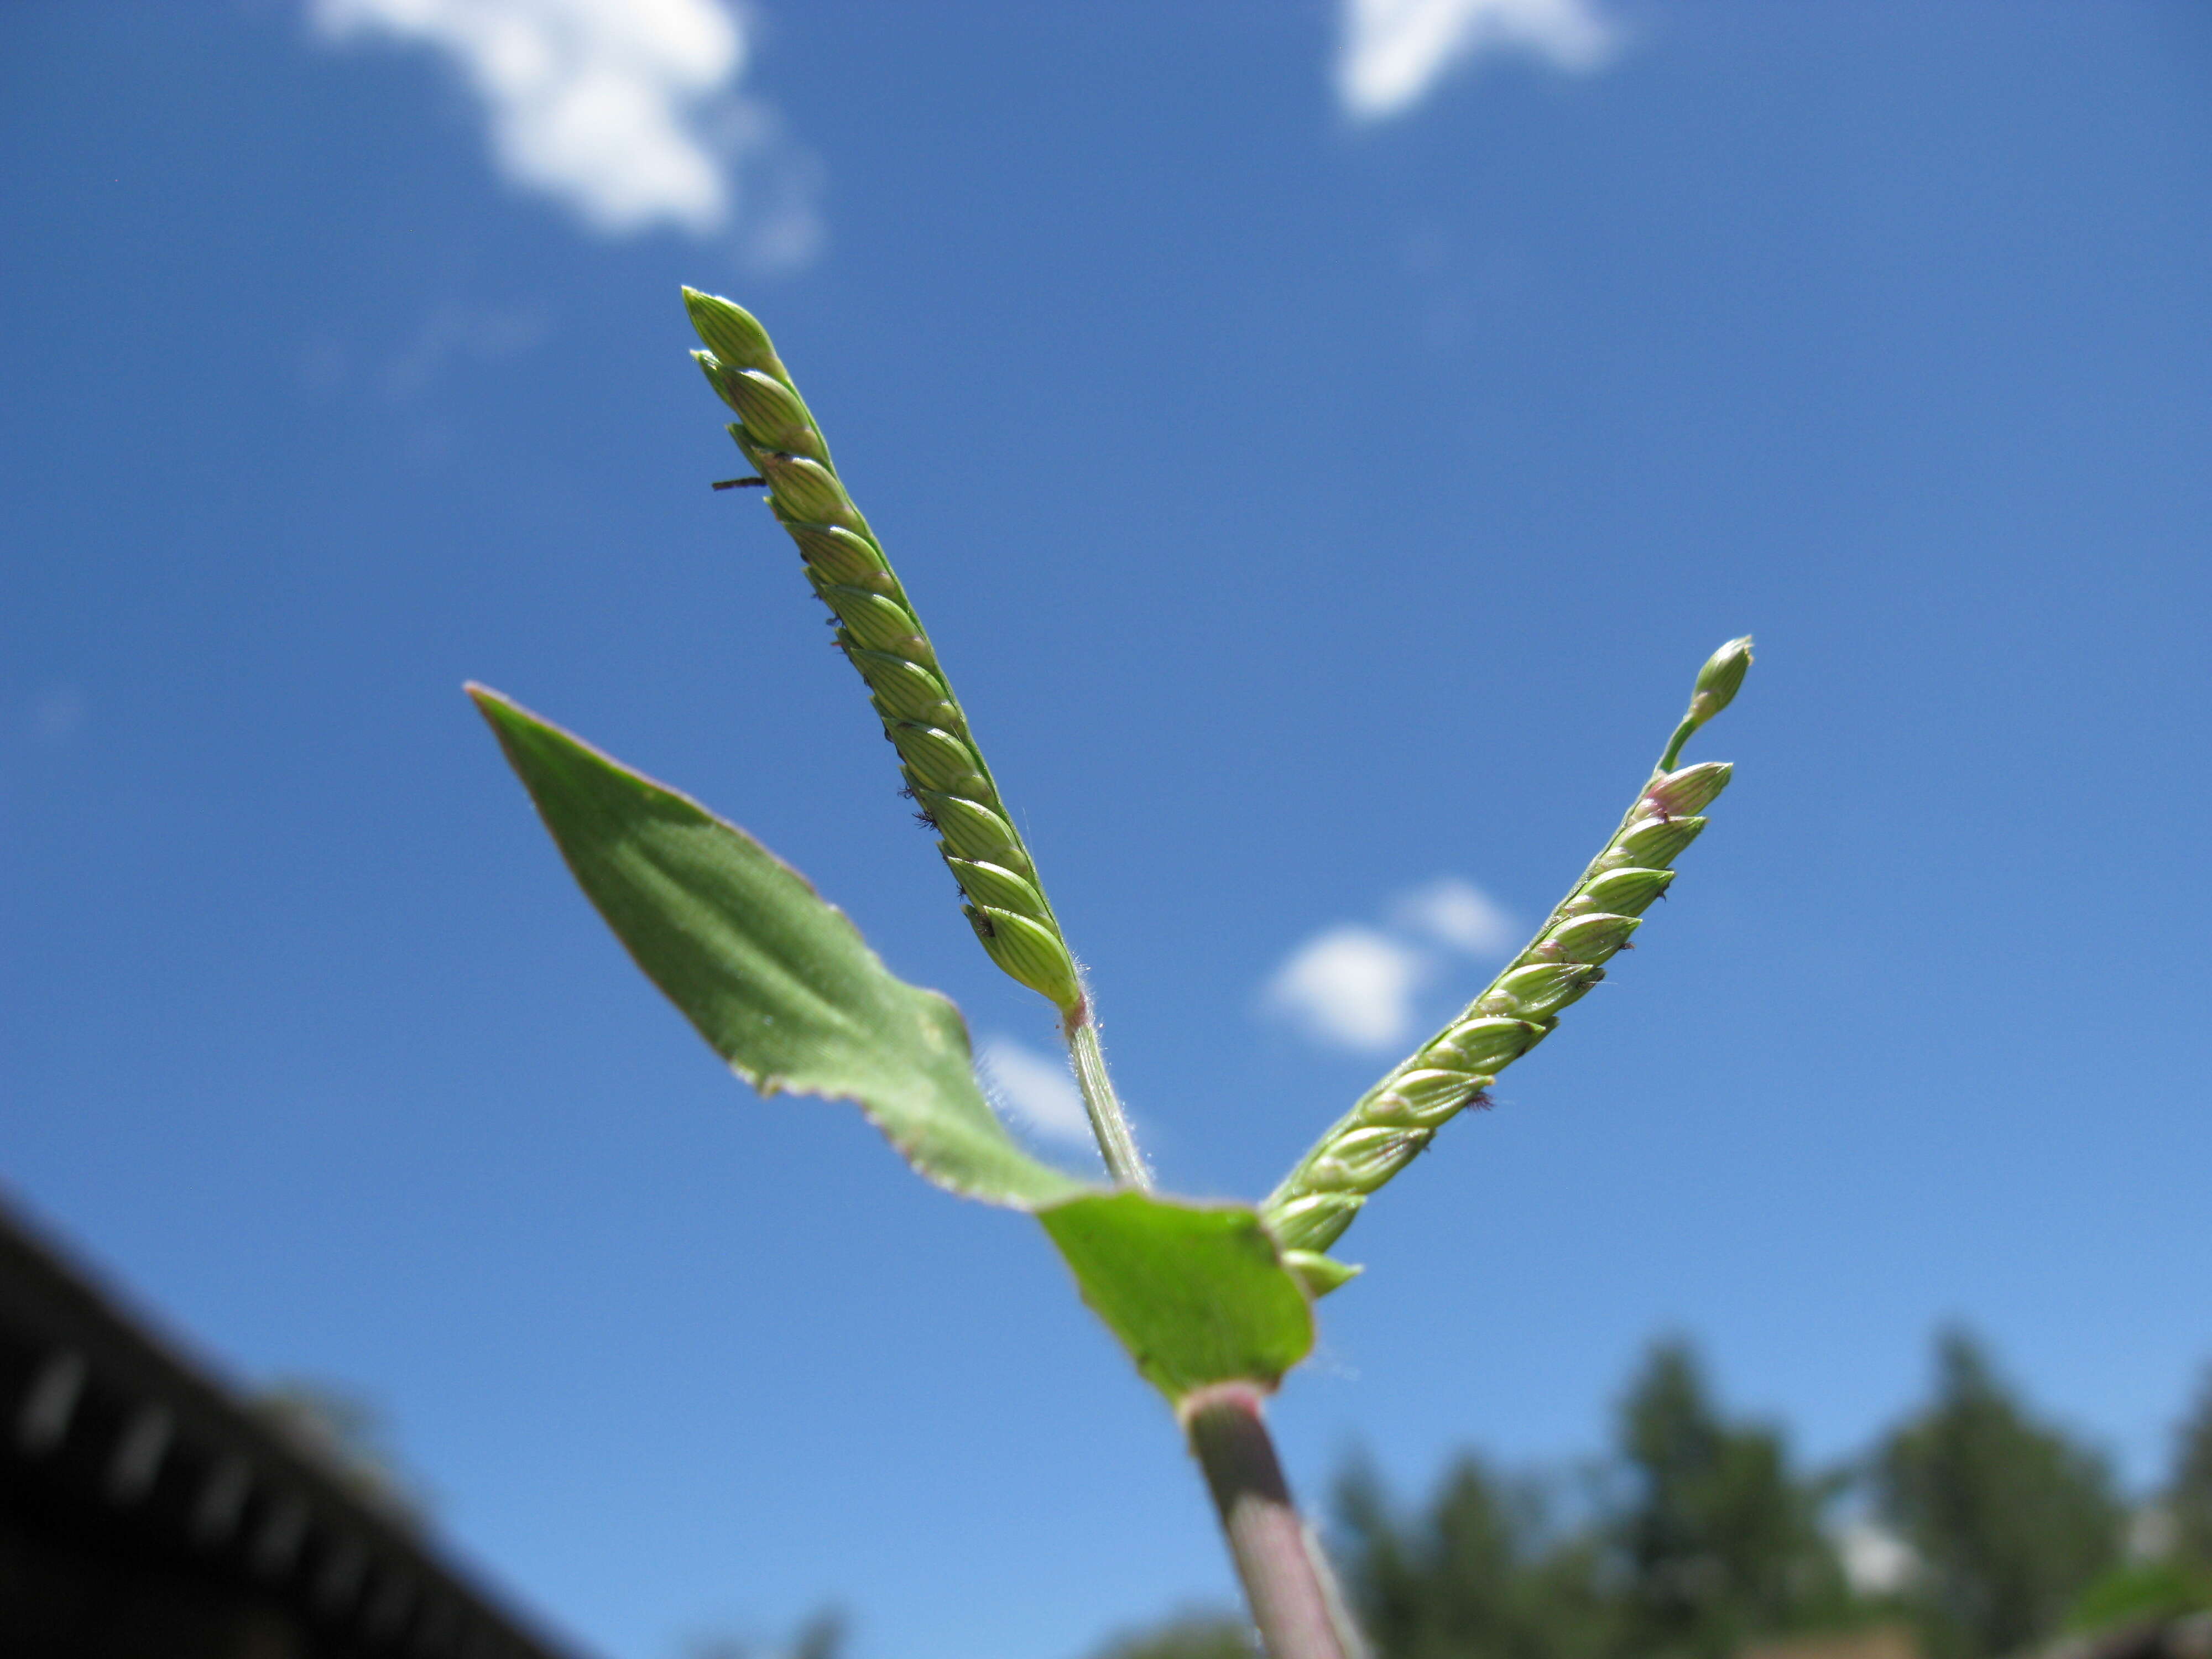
(1481, 1574)
(349, 1436)
(1717, 1541)
(2139, 1592)
(822, 1636)
(2010, 1518)
(2189, 1499)
(1190, 1636)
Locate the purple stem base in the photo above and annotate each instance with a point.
(1294, 1600)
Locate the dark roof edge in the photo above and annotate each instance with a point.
(90, 1339)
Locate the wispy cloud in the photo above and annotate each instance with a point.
(1350, 986)
(1036, 1091)
(483, 334)
(1356, 986)
(1395, 52)
(1458, 914)
(626, 111)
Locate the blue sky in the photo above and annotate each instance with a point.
(1323, 444)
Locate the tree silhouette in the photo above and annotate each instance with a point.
(1719, 1540)
(2011, 1518)
(1480, 1575)
(2189, 1498)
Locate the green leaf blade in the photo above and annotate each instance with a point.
(778, 981)
(1198, 1294)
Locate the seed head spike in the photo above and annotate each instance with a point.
(883, 639)
(1321, 1197)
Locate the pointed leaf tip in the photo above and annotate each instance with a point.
(779, 982)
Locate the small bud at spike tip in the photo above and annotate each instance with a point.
(1721, 677)
(1718, 681)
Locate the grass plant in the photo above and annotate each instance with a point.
(1214, 1303)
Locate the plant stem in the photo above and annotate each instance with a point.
(1287, 1584)
(1118, 1145)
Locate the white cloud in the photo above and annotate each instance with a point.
(1456, 913)
(1350, 986)
(1394, 52)
(1036, 1090)
(624, 111)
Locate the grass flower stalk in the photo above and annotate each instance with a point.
(1393, 1123)
(881, 635)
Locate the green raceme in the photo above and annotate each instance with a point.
(881, 635)
(1393, 1123)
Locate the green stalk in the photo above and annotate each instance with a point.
(1107, 1121)
(1287, 1583)
(882, 635)
(1393, 1123)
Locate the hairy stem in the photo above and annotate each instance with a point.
(1115, 1142)
(1287, 1584)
